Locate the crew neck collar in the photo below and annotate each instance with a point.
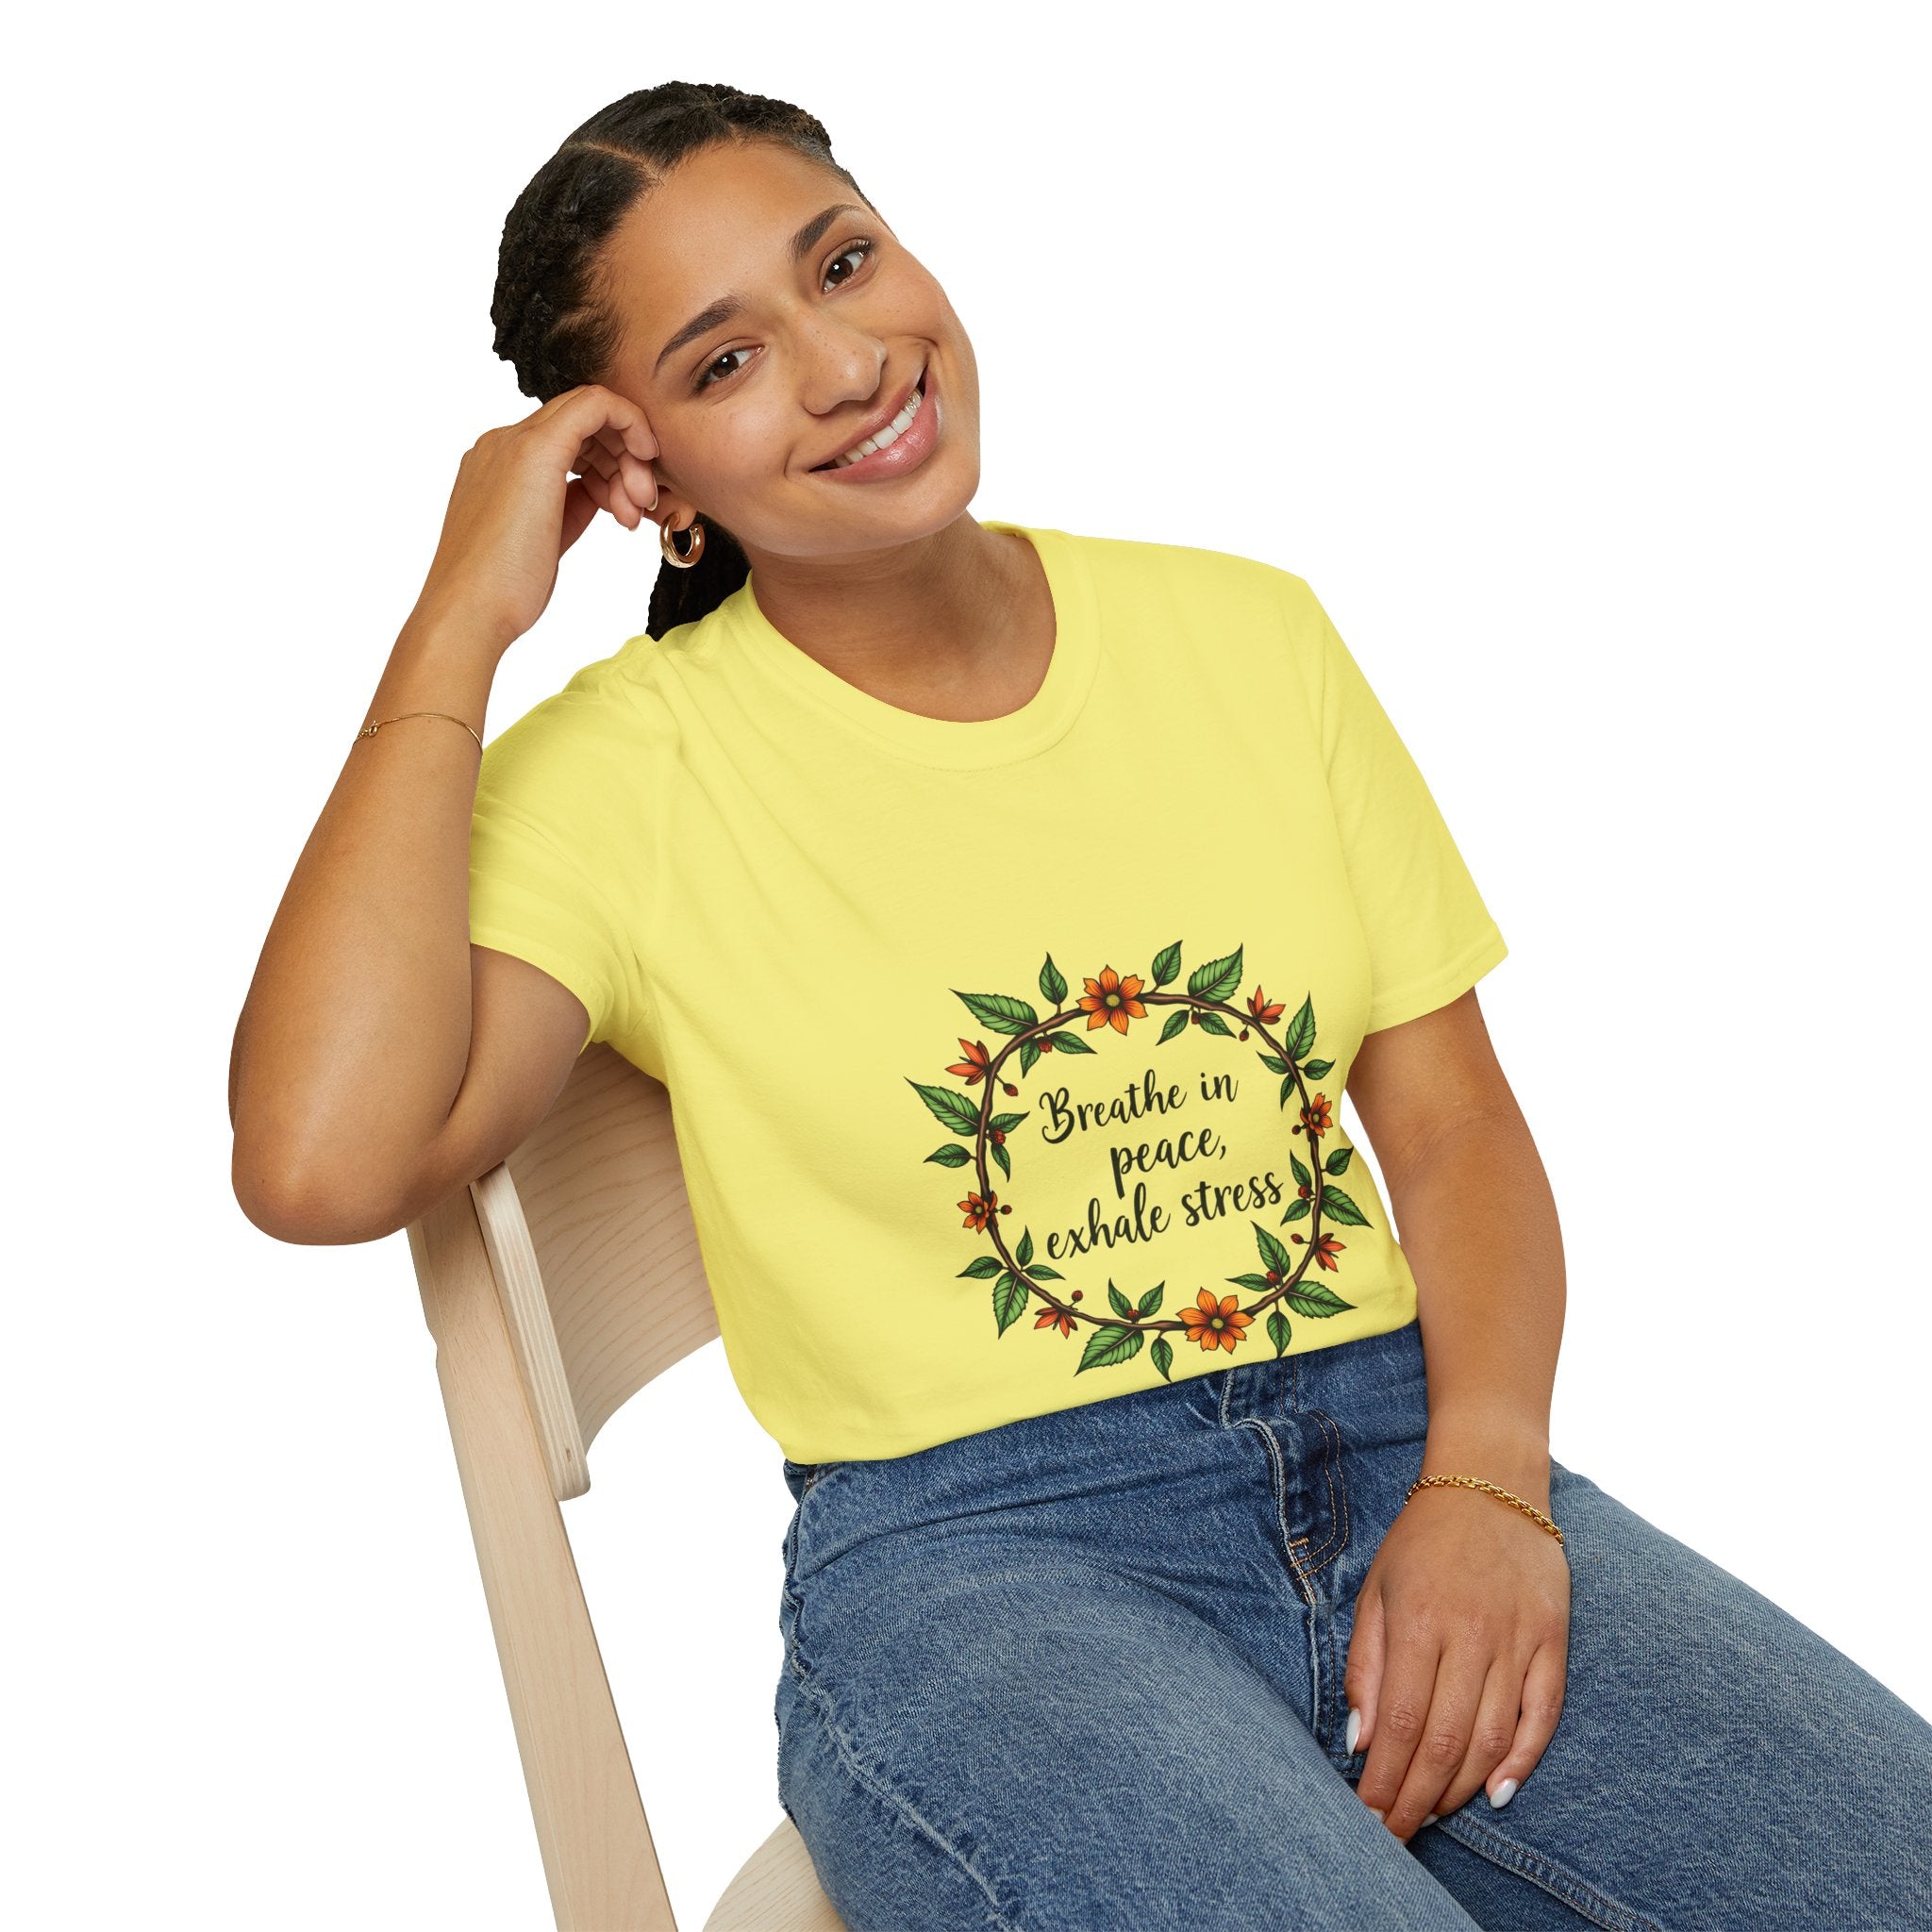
(1041, 720)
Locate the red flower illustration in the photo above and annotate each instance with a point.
(1215, 1324)
(1055, 1318)
(1111, 999)
(1258, 1005)
(979, 1212)
(976, 1064)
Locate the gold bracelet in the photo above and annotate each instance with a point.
(1472, 1482)
(370, 730)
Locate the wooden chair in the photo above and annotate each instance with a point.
(556, 1286)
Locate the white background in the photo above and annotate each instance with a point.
(1577, 359)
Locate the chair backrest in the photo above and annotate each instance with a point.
(589, 1231)
(557, 1285)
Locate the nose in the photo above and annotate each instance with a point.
(839, 364)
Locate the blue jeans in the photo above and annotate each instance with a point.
(1085, 1671)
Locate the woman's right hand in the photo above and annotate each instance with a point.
(523, 494)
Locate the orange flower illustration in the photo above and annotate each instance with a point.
(1316, 1117)
(1055, 1318)
(1325, 1249)
(1215, 1324)
(1111, 999)
(976, 1064)
(979, 1212)
(1258, 1005)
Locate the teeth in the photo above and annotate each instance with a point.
(889, 434)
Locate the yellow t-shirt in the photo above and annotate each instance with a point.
(1005, 1058)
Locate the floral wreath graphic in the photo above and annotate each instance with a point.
(1112, 1002)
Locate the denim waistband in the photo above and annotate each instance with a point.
(1369, 1391)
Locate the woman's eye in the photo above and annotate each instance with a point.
(724, 362)
(861, 249)
(722, 366)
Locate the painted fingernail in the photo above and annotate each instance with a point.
(1354, 1730)
(1503, 1793)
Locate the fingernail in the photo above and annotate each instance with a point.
(1354, 1730)
(1376, 1815)
(1432, 1817)
(1503, 1793)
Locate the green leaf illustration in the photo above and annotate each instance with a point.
(1041, 1272)
(951, 1155)
(1287, 1087)
(1000, 1155)
(1258, 1282)
(1069, 1042)
(1006, 1123)
(1151, 1300)
(1220, 979)
(1274, 1062)
(983, 1266)
(1000, 1012)
(1301, 1034)
(1176, 1023)
(1121, 1306)
(1009, 1300)
(1298, 1209)
(1318, 1070)
(1024, 1253)
(1337, 1161)
(1029, 1051)
(1274, 1255)
(1167, 962)
(1277, 1331)
(1315, 1298)
(949, 1108)
(1053, 984)
(1303, 1179)
(1213, 1022)
(1161, 1356)
(1336, 1206)
(1108, 1346)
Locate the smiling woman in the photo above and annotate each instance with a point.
(661, 251)
(1173, 1545)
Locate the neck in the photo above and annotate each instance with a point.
(941, 617)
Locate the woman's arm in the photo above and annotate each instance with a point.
(1459, 1652)
(1476, 1219)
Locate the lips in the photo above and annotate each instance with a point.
(877, 422)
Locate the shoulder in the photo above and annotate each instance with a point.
(1220, 581)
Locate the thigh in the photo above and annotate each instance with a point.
(1718, 1766)
(989, 1733)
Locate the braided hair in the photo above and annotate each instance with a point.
(552, 317)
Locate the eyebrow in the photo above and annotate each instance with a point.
(722, 310)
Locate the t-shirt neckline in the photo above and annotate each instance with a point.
(958, 744)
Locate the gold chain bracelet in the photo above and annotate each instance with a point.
(370, 730)
(1472, 1482)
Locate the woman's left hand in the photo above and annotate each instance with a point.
(1459, 1655)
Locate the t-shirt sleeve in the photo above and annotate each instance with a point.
(1430, 936)
(539, 883)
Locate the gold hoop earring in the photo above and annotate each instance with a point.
(667, 542)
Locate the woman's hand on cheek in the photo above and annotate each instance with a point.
(1458, 1657)
(613, 472)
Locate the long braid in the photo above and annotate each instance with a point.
(551, 318)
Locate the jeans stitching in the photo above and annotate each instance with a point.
(1338, 1504)
(879, 1786)
(1514, 1857)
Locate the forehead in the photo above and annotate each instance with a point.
(720, 221)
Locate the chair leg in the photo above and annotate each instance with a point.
(598, 1856)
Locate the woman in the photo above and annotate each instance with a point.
(1007, 912)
